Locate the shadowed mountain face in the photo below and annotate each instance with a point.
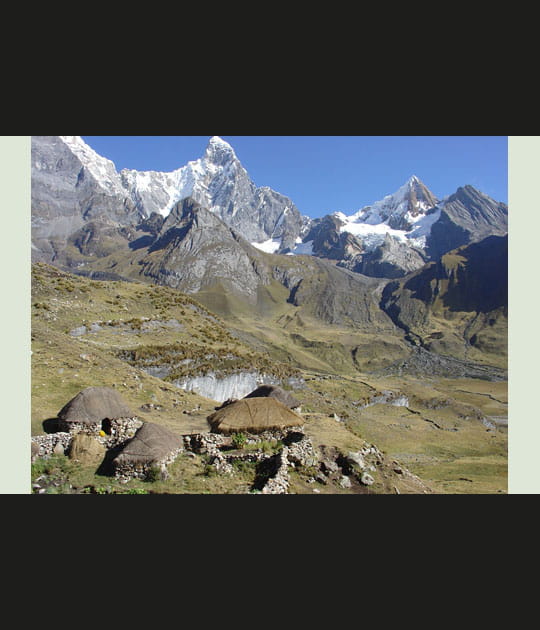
(465, 294)
(329, 242)
(472, 278)
(467, 216)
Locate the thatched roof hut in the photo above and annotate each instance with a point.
(152, 444)
(273, 391)
(94, 404)
(254, 415)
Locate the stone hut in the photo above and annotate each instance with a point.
(254, 415)
(153, 446)
(273, 391)
(99, 411)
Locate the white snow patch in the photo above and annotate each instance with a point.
(270, 246)
(363, 230)
(371, 222)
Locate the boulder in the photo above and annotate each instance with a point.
(367, 479)
(86, 449)
(58, 449)
(345, 482)
(356, 460)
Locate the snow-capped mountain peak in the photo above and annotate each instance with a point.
(402, 215)
(217, 141)
(402, 209)
(218, 182)
(218, 151)
(103, 170)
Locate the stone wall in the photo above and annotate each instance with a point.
(298, 450)
(209, 444)
(279, 482)
(52, 443)
(301, 451)
(122, 429)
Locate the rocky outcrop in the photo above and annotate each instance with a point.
(329, 242)
(195, 249)
(392, 259)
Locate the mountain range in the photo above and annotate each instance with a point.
(207, 229)
(74, 188)
(183, 290)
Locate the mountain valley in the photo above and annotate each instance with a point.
(182, 290)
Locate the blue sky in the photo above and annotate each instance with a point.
(323, 174)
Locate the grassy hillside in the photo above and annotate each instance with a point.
(86, 333)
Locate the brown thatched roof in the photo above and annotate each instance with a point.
(94, 404)
(273, 391)
(151, 443)
(254, 415)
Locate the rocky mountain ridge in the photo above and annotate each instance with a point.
(81, 206)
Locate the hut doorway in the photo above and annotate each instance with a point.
(106, 426)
